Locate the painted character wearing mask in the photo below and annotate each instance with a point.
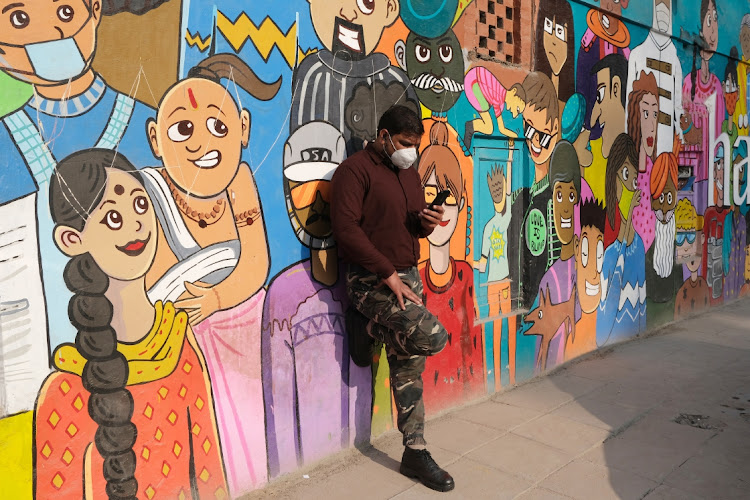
(51, 44)
(622, 310)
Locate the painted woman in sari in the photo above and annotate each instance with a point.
(129, 411)
(212, 257)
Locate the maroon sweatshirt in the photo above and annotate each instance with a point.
(375, 213)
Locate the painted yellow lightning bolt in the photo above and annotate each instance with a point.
(264, 37)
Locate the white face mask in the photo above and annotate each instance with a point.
(402, 158)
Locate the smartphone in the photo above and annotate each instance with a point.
(439, 199)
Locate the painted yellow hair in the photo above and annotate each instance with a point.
(685, 215)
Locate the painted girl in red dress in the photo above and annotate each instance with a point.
(129, 411)
(457, 373)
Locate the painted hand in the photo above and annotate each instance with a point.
(204, 302)
(630, 228)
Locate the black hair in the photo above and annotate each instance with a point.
(564, 165)
(704, 12)
(138, 7)
(400, 120)
(623, 149)
(618, 67)
(563, 14)
(747, 231)
(593, 214)
(731, 68)
(78, 186)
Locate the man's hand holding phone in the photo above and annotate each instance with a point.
(433, 214)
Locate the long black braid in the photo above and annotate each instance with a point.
(75, 190)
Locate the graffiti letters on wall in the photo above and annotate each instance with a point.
(172, 302)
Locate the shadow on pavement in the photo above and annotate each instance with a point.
(676, 405)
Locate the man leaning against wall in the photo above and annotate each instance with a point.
(378, 214)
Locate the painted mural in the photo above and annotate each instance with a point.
(172, 302)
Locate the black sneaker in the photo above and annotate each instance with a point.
(361, 345)
(419, 464)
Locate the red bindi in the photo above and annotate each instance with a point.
(193, 102)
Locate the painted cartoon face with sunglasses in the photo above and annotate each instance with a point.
(688, 250)
(541, 134)
(308, 168)
(311, 201)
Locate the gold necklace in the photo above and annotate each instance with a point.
(204, 219)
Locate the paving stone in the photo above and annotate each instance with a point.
(658, 427)
(652, 461)
(473, 480)
(542, 494)
(497, 415)
(709, 356)
(665, 492)
(458, 436)
(350, 482)
(585, 480)
(609, 416)
(645, 353)
(573, 384)
(542, 396)
(600, 369)
(520, 456)
(731, 448)
(562, 433)
(704, 477)
(632, 395)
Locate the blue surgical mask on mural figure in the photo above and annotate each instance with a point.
(402, 158)
(57, 60)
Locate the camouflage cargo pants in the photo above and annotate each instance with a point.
(409, 336)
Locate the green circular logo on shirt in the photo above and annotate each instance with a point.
(536, 232)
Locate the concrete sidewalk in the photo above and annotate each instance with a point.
(604, 427)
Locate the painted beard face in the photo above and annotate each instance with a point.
(348, 39)
(664, 241)
(664, 217)
(313, 212)
(428, 58)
